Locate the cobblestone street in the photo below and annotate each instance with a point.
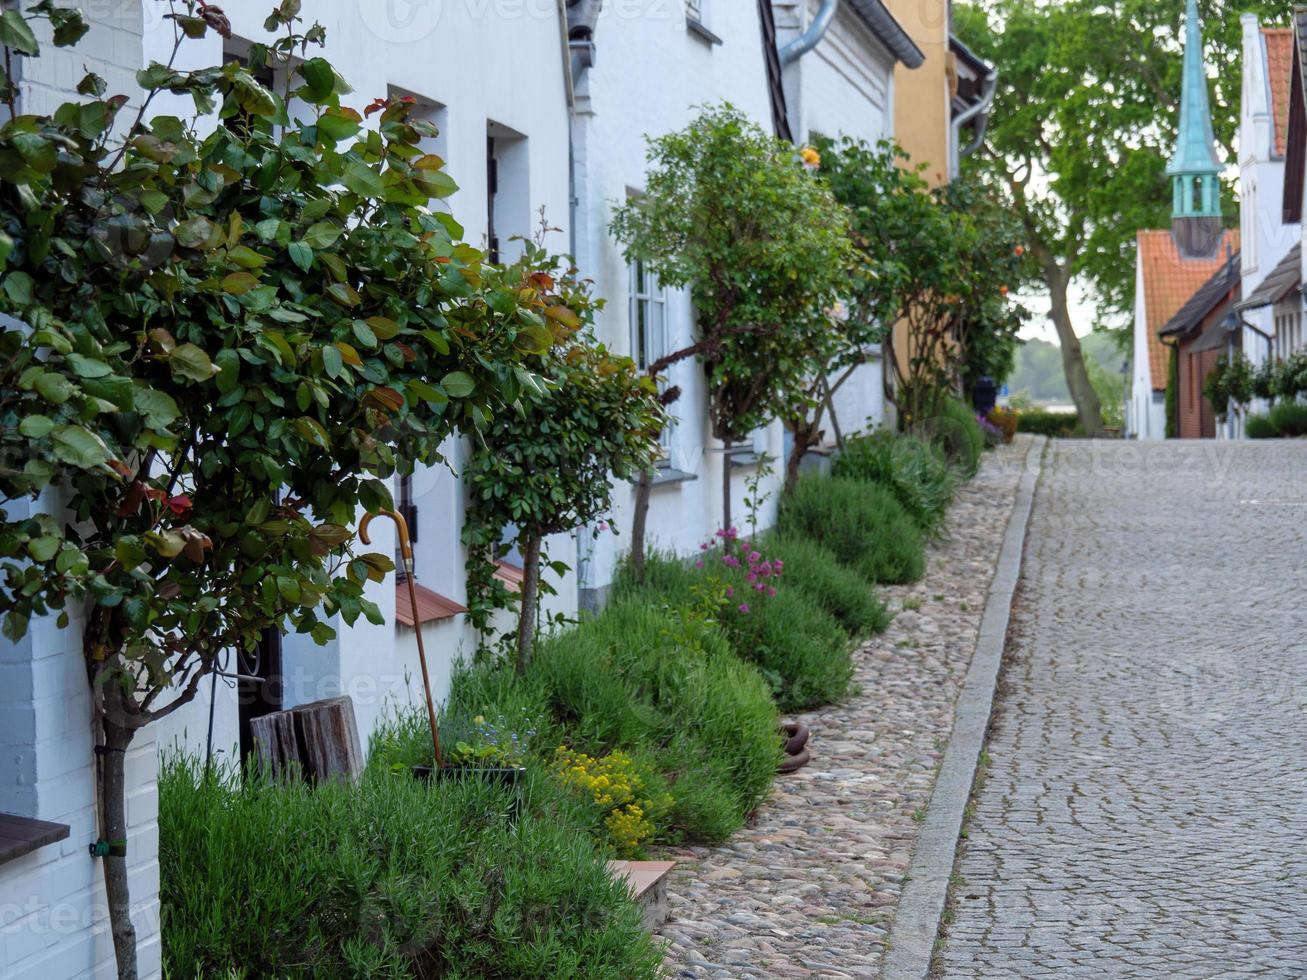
(1144, 809)
(809, 888)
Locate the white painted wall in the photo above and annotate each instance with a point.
(649, 77)
(53, 914)
(1146, 414)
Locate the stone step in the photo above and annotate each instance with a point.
(648, 883)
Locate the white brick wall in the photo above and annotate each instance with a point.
(53, 918)
(52, 911)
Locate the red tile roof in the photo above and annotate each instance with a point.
(510, 575)
(432, 606)
(1279, 65)
(1170, 280)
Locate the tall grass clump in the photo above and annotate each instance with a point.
(917, 471)
(957, 432)
(863, 524)
(392, 877)
(815, 571)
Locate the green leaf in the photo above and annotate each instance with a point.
(43, 548)
(195, 232)
(383, 327)
(363, 333)
(87, 367)
(458, 384)
(339, 124)
(239, 283)
(36, 426)
(344, 294)
(75, 445)
(18, 287)
(332, 362)
(54, 388)
(312, 431)
(428, 393)
(158, 407)
(15, 33)
(322, 234)
(301, 254)
(363, 180)
(319, 79)
(190, 361)
(246, 257)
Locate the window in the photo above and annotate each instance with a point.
(648, 315)
(508, 192)
(407, 507)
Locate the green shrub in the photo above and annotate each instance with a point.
(795, 638)
(957, 432)
(644, 678)
(1055, 425)
(814, 570)
(1289, 419)
(862, 524)
(918, 472)
(389, 878)
(801, 648)
(1260, 427)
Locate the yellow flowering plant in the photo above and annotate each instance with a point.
(631, 797)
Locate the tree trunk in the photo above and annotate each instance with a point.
(113, 822)
(1088, 407)
(639, 523)
(726, 484)
(806, 435)
(529, 598)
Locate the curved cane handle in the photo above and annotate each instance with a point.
(405, 545)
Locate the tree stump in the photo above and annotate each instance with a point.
(317, 742)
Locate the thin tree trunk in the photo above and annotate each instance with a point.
(640, 523)
(806, 435)
(113, 816)
(726, 484)
(526, 623)
(830, 409)
(1088, 406)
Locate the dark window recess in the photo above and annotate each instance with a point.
(492, 189)
(408, 509)
(258, 685)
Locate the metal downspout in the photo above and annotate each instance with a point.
(810, 38)
(986, 100)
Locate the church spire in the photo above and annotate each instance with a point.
(1194, 169)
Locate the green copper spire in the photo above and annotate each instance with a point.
(1194, 169)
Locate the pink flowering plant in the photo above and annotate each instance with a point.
(739, 573)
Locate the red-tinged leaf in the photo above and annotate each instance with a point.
(348, 354)
(542, 280)
(406, 350)
(154, 493)
(133, 499)
(170, 591)
(561, 314)
(180, 504)
(387, 399)
(119, 467)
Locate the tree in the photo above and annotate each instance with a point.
(730, 212)
(1083, 124)
(942, 261)
(226, 346)
(548, 467)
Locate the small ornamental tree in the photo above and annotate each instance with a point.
(224, 346)
(730, 212)
(941, 261)
(547, 467)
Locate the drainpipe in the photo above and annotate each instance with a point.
(800, 46)
(981, 109)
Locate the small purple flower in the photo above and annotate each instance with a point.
(772, 592)
(698, 564)
(704, 546)
(730, 592)
(744, 608)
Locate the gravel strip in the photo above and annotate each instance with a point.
(810, 887)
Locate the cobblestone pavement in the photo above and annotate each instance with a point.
(1145, 809)
(809, 888)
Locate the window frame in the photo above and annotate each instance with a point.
(645, 294)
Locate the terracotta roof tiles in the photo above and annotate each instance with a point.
(1170, 281)
(1279, 65)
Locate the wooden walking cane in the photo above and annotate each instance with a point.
(406, 550)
